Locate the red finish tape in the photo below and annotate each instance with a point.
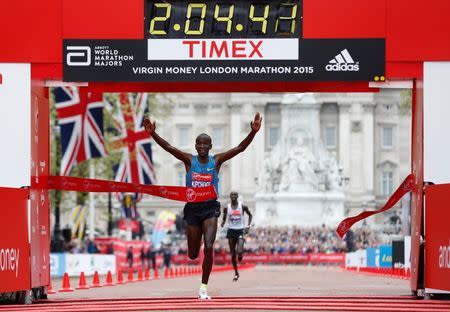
(407, 185)
(185, 194)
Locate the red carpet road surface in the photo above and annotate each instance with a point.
(264, 288)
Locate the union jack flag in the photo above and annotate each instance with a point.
(80, 116)
(136, 165)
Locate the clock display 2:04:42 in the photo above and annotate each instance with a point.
(223, 19)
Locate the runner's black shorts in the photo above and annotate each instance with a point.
(196, 213)
(234, 233)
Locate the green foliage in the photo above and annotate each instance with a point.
(406, 102)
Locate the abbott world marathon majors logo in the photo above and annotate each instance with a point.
(98, 56)
(342, 62)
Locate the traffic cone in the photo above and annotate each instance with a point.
(66, 284)
(166, 272)
(82, 283)
(147, 274)
(109, 279)
(120, 277)
(96, 280)
(140, 278)
(171, 272)
(130, 275)
(155, 274)
(50, 290)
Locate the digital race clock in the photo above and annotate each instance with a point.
(224, 40)
(223, 19)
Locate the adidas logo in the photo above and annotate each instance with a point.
(342, 62)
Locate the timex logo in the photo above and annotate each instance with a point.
(224, 49)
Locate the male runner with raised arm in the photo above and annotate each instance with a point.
(203, 170)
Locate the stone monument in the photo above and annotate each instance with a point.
(300, 183)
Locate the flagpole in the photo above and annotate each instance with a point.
(91, 203)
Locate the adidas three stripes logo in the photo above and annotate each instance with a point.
(342, 62)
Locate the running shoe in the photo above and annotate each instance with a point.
(203, 294)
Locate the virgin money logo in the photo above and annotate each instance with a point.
(444, 256)
(36, 117)
(87, 185)
(206, 177)
(42, 198)
(409, 184)
(112, 186)
(9, 260)
(163, 191)
(190, 194)
(343, 227)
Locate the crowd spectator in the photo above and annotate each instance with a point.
(130, 257)
(295, 239)
(290, 240)
(166, 251)
(151, 258)
(264, 240)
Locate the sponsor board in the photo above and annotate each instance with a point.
(357, 258)
(437, 233)
(264, 59)
(57, 264)
(385, 256)
(74, 264)
(14, 245)
(373, 257)
(407, 251)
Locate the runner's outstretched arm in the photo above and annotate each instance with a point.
(151, 129)
(255, 126)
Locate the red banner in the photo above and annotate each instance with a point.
(312, 258)
(122, 247)
(437, 234)
(185, 194)
(39, 199)
(407, 185)
(14, 246)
